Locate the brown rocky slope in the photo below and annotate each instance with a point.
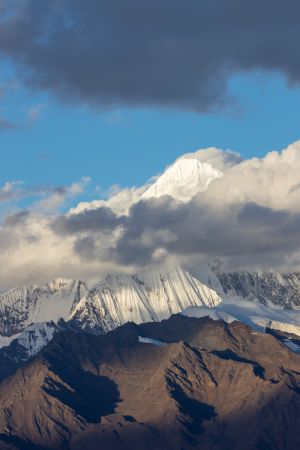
(213, 386)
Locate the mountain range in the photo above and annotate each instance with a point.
(31, 316)
(173, 357)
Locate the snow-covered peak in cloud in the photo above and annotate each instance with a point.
(183, 179)
(247, 214)
(190, 174)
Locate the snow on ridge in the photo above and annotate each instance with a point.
(292, 345)
(203, 311)
(183, 180)
(146, 297)
(155, 295)
(36, 336)
(156, 342)
(21, 307)
(255, 315)
(31, 340)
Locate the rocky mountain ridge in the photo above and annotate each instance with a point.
(180, 383)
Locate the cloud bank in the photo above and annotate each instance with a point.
(249, 217)
(177, 53)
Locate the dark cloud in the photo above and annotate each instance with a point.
(176, 53)
(95, 220)
(199, 229)
(16, 219)
(16, 190)
(160, 227)
(86, 248)
(253, 214)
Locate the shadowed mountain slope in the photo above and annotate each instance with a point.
(194, 384)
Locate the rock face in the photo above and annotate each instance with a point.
(27, 344)
(190, 383)
(267, 287)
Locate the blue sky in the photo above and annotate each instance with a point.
(60, 144)
(116, 90)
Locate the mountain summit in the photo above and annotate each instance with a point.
(183, 179)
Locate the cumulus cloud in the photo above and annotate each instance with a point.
(57, 197)
(217, 158)
(119, 200)
(11, 190)
(250, 212)
(100, 219)
(177, 53)
(250, 218)
(44, 198)
(17, 218)
(272, 181)
(32, 253)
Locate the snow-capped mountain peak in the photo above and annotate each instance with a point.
(263, 300)
(183, 179)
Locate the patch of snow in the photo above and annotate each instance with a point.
(146, 340)
(292, 346)
(6, 340)
(32, 339)
(212, 313)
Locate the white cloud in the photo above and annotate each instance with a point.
(10, 190)
(119, 200)
(250, 217)
(58, 197)
(273, 181)
(217, 158)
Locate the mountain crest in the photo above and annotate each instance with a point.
(183, 179)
